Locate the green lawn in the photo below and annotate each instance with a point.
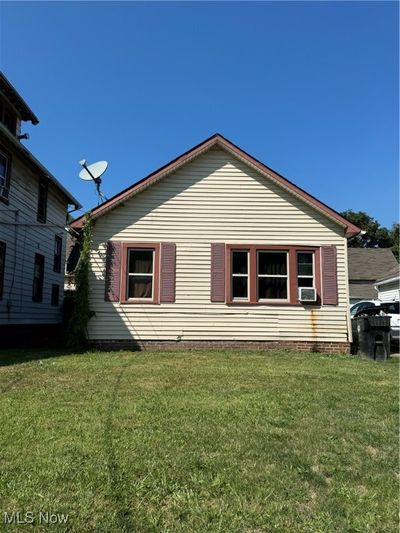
(201, 441)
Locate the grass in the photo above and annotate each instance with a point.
(197, 442)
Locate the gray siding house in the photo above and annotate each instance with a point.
(33, 214)
(366, 266)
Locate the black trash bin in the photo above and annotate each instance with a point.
(372, 336)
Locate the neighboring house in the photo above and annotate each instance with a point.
(366, 266)
(33, 211)
(211, 249)
(389, 287)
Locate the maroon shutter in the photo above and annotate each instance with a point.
(167, 272)
(113, 271)
(329, 275)
(218, 272)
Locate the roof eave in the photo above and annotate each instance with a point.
(349, 229)
(46, 173)
(26, 112)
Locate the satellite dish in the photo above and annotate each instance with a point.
(93, 171)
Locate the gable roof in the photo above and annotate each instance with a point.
(219, 140)
(370, 263)
(392, 275)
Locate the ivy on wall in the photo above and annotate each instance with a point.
(81, 314)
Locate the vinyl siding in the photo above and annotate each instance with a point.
(24, 237)
(389, 291)
(214, 198)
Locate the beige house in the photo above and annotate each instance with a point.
(215, 248)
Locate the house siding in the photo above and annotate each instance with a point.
(389, 291)
(215, 198)
(24, 237)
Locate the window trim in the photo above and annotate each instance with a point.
(40, 298)
(5, 153)
(126, 246)
(253, 277)
(3, 246)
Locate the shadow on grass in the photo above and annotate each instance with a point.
(123, 517)
(15, 356)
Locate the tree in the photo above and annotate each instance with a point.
(376, 236)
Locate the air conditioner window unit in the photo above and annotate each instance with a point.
(307, 294)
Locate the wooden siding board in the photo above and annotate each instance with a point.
(214, 199)
(30, 240)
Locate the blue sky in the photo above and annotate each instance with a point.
(311, 89)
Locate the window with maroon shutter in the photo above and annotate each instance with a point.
(113, 272)
(167, 272)
(329, 275)
(262, 274)
(218, 272)
(140, 273)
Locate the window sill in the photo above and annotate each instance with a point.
(139, 302)
(266, 303)
(4, 200)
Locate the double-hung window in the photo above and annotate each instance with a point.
(240, 275)
(305, 269)
(140, 282)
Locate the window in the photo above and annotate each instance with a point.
(57, 253)
(55, 294)
(4, 176)
(2, 266)
(140, 274)
(240, 275)
(140, 282)
(305, 269)
(42, 202)
(272, 275)
(38, 278)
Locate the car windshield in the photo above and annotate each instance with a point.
(359, 306)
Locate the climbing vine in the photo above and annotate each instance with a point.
(81, 314)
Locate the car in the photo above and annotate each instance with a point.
(362, 304)
(391, 309)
